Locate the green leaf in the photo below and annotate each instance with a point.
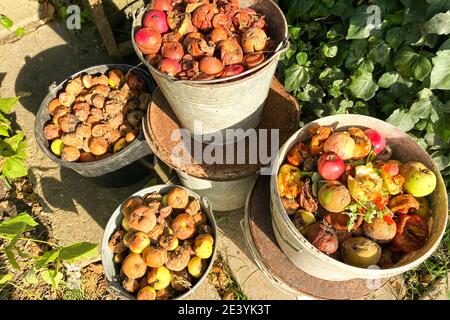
(387, 79)
(441, 160)
(6, 104)
(14, 225)
(388, 6)
(440, 75)
(329, 75)
(439, 24)
(4, 278)
(295, 76)
(300, 8)
(427, 106)
(415, 10)
(441, 127)
(14, 168)
(342, 9)
(20, 32)
(362, 85)
(329, 52)
(13, 142)
(395, 37)
(46, 258)
(30, 277)
(402, 120)
(360, 27)
(78, 251)
(301, 58)
(379, 53)
(6, 22)
(436, 6)
(12, 259)
(52, 277)
(293, 32)
(311, 93)
(412, 64)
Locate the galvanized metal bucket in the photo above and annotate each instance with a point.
(111, 269)
(220, 104)
(307, 257)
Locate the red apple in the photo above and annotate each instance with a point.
(378, 140)
(148, 41)
(331, 166)
(156, 20)
(164, 5)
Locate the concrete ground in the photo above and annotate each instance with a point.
(78, 208)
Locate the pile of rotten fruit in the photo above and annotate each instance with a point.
(96, 116)
(164, 245)
(353, 202)
(203, 39)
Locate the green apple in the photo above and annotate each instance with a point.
(419, 180)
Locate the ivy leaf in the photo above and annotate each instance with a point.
(13, 142)
(439, 24)
(395, 37)
(360, 27)
(441, 160)
(402, 120)
(301, 58)
(293, 32)
(388, 6)
(412, 64)
(441, 127)
(362, 85)
(436, 6)
(78, 251)
(295, 76)
(300, 8)
(329, 52)
(440, 75)
(311, 93)
(387, 79)
(6, 104)
(342, 9)
(415, 10)
(427, 106)
(14, 168)
(379, 53)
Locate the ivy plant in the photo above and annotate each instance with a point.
(398, 70)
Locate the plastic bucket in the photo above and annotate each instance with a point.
(221, 104)
(308, 258)
(115, 171)
(112, 270)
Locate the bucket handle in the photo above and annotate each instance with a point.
(205, 201)
(298, 250)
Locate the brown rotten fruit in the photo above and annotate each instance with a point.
(203, 15)
(53, 105)
(100, 130)
(142, 218)
(178, 198)
(154, 257)
(146, 293)
(199, 48)
(81, 110)
(231, 52)
(137, 241)
(130, 285)
(253, 40)
(218, 34)
(68, 123)
(116, 242)
(323, 237)
(67, 99)
(98, 146)
(183, 226)
(73, 140)
(130, 205)
(134, 266)
(211, 66)
(70, 154)
(172, 50)
(178, 259)
(52, 131)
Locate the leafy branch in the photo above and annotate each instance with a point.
(46, 266)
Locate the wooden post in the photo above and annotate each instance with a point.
(101, 22)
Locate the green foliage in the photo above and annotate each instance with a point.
(339, 62)
(46, 266)
(12, 144)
